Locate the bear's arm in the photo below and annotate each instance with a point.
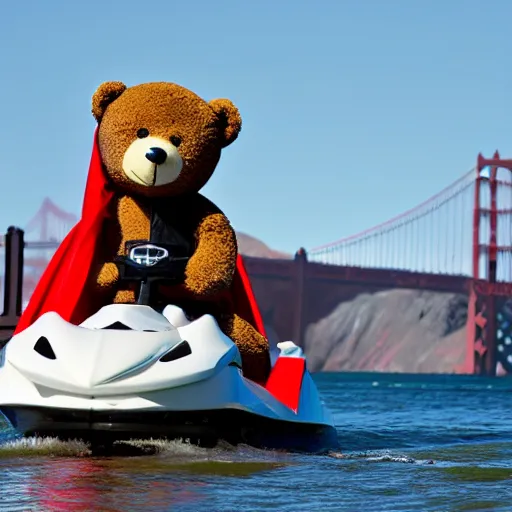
(211, 268)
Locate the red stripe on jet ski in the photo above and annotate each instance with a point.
(285, 381)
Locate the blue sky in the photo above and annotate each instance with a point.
(353, 110)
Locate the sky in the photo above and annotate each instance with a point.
(353, 110)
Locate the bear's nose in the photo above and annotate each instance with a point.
(156, 155)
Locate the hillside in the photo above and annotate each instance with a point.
(391, 331)
(250, 246)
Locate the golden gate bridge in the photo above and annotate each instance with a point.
(464, 231)
(459, 231)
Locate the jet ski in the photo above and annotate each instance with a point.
(138, 371)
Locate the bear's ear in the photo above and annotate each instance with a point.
(106, 93)
(230, 121)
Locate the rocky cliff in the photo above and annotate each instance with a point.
(391, 331)
(250, 246)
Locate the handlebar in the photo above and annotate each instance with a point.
(148, 264)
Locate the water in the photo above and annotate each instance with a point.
(410, 443)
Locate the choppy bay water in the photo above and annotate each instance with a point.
(410, 443)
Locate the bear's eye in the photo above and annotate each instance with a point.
(175, 140)
(142, 133)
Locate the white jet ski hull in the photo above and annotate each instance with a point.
(108, 380)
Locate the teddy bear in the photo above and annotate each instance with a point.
(160, 144)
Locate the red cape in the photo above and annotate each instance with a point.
(62, 287)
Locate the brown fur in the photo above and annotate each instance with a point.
(168, 110)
